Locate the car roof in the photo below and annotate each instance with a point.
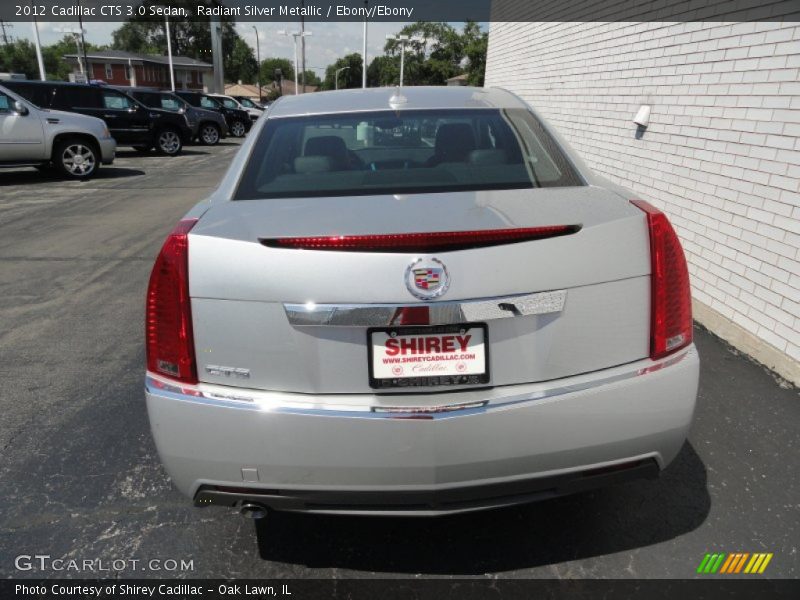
(412, 98)
(59, 84)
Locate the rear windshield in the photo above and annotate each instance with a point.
(404, 152)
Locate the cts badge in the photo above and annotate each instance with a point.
(427, 278)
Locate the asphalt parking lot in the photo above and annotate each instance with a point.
(81, 479)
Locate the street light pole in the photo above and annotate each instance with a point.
(169, 53)
(295, 35)
(75, 36)
(336, 76)
(364, 56)
(402, 39)
(39, 58)
(296, 86)
(258, 58)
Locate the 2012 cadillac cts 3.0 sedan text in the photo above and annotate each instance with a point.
(415, 302)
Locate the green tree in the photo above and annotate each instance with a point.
(476, 43)
(240, 64)
(348, 78)
(19, 57)
(383, 71)
(56, 67)
(268, 67)
(141, 37)
(432, 55)
(311, 78)
(435, 53)
(191, 37)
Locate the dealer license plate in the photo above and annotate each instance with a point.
(428, 356)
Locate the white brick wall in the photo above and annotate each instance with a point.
(721, 155)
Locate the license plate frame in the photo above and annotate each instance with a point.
(444, 381)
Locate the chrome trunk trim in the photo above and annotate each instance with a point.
(441, 313)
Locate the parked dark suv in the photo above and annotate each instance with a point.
(208, 126)
(239, 122)
(130, 122)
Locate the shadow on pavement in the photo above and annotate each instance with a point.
(614, 519)
(130, 153)
(33, 176)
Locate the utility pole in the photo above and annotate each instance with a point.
(258, 59)
(216, 55)
(295, 35)
(79, 52)
(38, 43)
(3, 26)
(83, 44)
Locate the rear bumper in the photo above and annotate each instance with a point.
(108, 150)
(495, 447)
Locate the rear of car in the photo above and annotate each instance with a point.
(237, 120)
(234, 103)
(418, 303)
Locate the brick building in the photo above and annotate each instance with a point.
(127, 68)
(721, 153)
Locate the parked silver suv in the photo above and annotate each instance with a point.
(30, 136)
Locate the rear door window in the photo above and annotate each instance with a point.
(116, 101)
(170, 103)
(151, 99)
(207, 102)
(77, 97)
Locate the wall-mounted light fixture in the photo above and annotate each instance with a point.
(642, 118)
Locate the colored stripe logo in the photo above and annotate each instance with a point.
(736, 562)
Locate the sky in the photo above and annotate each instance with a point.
(328, 41)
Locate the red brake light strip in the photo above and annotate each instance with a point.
(440, 241)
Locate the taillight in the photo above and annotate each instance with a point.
(170, 343)
(671, 296)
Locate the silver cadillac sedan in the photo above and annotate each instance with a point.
(415, 301)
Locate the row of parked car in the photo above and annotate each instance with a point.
(77, 127)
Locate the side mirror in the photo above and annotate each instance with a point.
(20, 108)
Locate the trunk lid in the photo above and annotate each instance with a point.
(239, 287)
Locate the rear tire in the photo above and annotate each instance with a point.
(210, 134)
(238, 129)
(168, 142)
(75, 158)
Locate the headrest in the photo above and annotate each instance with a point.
(488, 157)
(454, 141)
(312, 164)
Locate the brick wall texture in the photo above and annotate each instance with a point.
(721, 155)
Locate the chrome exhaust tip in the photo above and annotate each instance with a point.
(251, 510)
